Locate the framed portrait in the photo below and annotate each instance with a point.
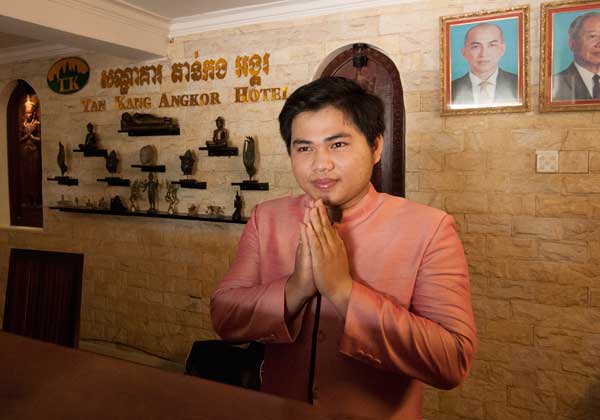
(570, 56)
(484, 60)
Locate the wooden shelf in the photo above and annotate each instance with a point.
(160, 214)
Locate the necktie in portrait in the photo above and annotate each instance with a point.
(596, 92)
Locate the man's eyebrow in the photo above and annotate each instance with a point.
(327, 139)
(337, 136)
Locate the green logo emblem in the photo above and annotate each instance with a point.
(68, 75)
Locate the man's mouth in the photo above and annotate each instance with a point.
(324, 183)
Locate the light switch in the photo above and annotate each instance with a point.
(546, 161)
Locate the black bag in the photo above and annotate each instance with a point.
(227, 363)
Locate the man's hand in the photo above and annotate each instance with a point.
(329, 259)
(301, 285)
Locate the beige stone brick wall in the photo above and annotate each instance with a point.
(532, 240)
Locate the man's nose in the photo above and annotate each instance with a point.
(322, 160)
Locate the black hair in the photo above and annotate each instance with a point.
(364, 109)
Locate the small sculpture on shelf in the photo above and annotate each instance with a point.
(148, 155)
(90, 147)
(171, 197)
(237, 204)
(135, 195)
(218, 145)
(214, 210)
(103, 204)
(112, 162)
(187, 162)
(187, 165)
(220, 134)
(148, 125)
(91, 141)
(117, 205)
(60, 159)
(249, 157)
(151, 185)
(193, 210)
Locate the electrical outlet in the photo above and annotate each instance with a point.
(546, 161)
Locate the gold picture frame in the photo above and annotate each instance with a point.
(564, 64)
(496, 59)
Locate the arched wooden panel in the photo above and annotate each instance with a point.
(379, 75)
(24, 157)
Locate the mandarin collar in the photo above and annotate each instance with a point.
(360, 210)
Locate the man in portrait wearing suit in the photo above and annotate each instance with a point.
(581, 80)
(485, 83)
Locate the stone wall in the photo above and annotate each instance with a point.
(532, 240)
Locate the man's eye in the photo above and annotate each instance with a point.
(338, 144)
(302, 149)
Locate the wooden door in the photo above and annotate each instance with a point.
(24, 157)
(43, 295)
(378, 74)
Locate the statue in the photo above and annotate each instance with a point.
(60, 159)
(171, 197)
(148, 124)
(193, 210)
(112, 162)
(187, 162)
(117, 205)
(151, 185)
(237, 204)
(91, 142)
(249, 156)
(148, 155)
(220, 135)
(135, 195)
(31, 125)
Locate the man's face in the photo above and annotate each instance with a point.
(331, 158)
(484, 47)
(586, 44)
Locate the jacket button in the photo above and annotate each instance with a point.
(321, 336)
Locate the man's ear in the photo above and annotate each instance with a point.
(377, 149)
(571, 44)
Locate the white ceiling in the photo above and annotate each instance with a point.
(139, 29)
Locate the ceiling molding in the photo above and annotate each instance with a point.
(34, 51)
(271, 12)
(121, 12)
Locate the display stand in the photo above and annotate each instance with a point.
(252, 185)
(64, 180)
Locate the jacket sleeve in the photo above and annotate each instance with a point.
(434, 340)
(245, 307)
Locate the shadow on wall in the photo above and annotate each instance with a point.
(588, 407)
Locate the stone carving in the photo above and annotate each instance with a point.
(237, 204)
(220, 134)
(112, 162)
(60, 159)
(187, 162)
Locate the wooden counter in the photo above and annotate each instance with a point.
(40, 380)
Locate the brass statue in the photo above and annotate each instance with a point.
(151, 185)
(135, 195)
(171, 197)
(220, 135)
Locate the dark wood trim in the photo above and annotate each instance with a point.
(395, 177)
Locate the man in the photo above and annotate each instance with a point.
(581, 80)
(485, 83)
(357, 314)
